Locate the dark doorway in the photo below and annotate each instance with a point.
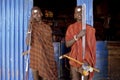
(106, 19)
(62, 15)
(59, 7)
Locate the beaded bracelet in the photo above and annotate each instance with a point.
(75, 38)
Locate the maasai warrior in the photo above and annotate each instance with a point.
(42, 60)
(73, 39)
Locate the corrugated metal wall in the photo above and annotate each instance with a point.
(14, 15)
(89, 10)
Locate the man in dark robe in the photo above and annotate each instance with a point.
(42, 60)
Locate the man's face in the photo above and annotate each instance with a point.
(36, 14)
(78, 13)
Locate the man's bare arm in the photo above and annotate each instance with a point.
(75, 38)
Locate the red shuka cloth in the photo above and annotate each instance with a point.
(42, 51)
(76, 49)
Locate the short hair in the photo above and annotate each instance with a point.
(80, 6)
(36, 8)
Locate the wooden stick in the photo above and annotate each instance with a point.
(65, 56)
(70, 59)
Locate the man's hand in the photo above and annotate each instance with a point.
(83, 72)
(28, 39)
(24, 53)
(81, 33)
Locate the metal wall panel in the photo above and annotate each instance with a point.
(14, 15)
(89, 10)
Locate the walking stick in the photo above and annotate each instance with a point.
(65, 56)
(28, 52)
(83, 27)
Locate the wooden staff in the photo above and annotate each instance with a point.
(65, 56)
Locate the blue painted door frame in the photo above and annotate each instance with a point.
(89, 10)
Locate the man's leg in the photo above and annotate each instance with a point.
(75, 74)
(86, 77)
(80, 70)
(35, 74)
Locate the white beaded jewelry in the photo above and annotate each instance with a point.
(28, 32)
(75, 37)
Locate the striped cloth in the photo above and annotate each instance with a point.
(42, 51)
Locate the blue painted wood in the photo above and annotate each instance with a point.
(89, 10)
(101, 61)
(62, 64)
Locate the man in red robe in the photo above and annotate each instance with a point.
(73, 39)
(42, 60)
